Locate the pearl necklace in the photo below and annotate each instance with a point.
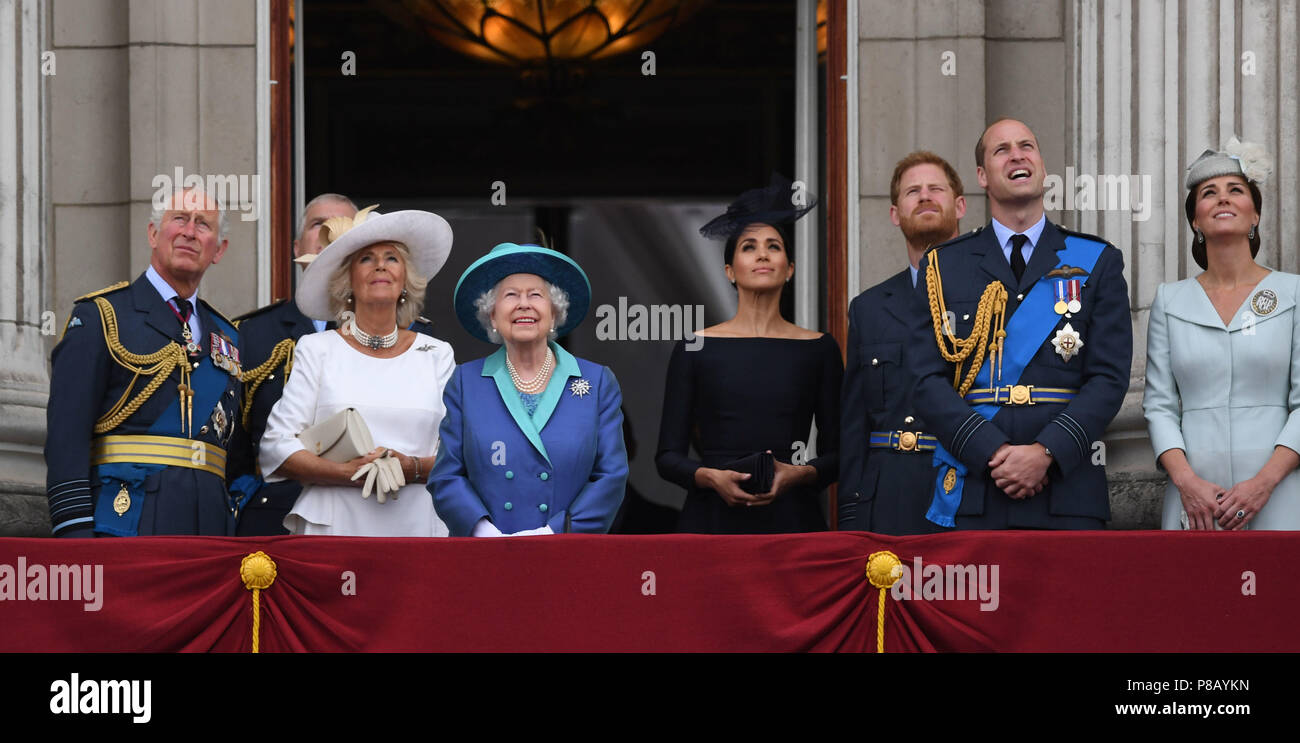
(373, 342)
(537, 383)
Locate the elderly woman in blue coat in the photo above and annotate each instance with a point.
(532, 442)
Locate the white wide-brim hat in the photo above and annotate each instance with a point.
(425, 234)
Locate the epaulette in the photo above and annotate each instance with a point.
(260, 311)
(1084, 235)
(955, 240)
(217, 312)
(106, 290)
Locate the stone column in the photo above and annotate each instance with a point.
(1153, 84)
(24, 383)
(921, 85)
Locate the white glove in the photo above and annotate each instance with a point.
(485, 528)
(533, 532)
(366, 470)
(383, 475)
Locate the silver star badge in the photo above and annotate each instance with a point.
(1067, 342)
(580, 387)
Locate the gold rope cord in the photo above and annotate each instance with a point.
(157, 364)
(990, 315)
(257, 571)
(283, 352)
(884, 569)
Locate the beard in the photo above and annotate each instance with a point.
(929, 232)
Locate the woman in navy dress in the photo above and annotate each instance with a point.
(756, 385)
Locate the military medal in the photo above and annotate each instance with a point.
(191, 347)
(580, 387)
(1076, 292)
(224, 354)
(1061, 306)
(1067, 342)
(219, 422)
(1264, 302)
(122, 503)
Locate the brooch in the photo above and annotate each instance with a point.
(580, 387)
(1067, 342)
(1264, 302)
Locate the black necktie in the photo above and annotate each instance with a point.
(1017, 257)
(184, 307)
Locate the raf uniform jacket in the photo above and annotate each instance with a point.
(1076, 496)
(262, 332)
(886, 491)
(564, 467)
(90, 377)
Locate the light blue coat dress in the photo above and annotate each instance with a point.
(1226, 396)
(565, 466)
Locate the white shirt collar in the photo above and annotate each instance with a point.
(165, 289)
(1005, 233)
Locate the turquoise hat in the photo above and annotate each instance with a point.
(509, 258)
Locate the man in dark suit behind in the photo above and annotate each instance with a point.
(886, 470)
(1016, 442)
(268, 336)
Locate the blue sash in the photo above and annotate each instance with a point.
(1027, 329)
(112, 477)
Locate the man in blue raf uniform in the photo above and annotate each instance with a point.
(145, 393)
(267, 339)
(886, 472)
(1021, 342)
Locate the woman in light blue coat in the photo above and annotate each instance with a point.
(1222, 395)
(532, 442)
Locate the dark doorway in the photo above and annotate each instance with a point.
(619, 168)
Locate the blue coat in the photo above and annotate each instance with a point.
(1226, 395)
(1076, 496)
(565, 466)
(885, 491)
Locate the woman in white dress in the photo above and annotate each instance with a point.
(1222, 395)
(369, 277)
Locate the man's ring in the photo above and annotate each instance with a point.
(1241, 515)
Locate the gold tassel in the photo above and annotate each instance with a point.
(258, 573)
(884, 569)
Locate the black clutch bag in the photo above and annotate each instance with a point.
(760, 467)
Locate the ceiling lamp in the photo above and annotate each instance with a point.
(536, 32)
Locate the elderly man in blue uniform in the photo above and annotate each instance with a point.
(145, 393)
(268, 336)
(1021, 342)
(886, 474)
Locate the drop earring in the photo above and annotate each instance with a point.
(1200, 237)
(1251, 235)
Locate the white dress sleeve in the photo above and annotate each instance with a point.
(295, 410)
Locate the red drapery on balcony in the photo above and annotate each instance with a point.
(1093, 591)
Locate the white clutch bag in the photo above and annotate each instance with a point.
(340, 437)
